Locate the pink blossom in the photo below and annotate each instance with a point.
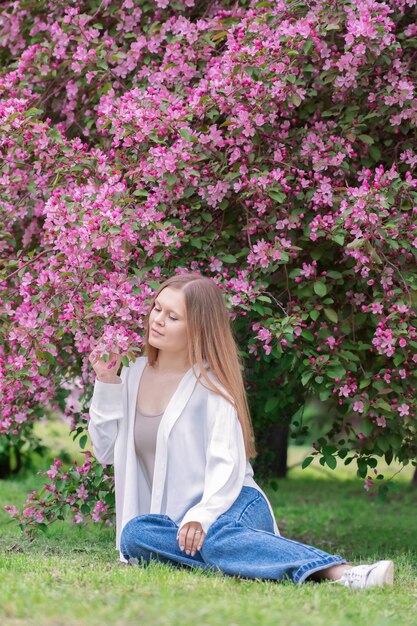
(403, 409)
(52, 472)
(308, 270)
(264, 335)
(376, 307)
(344, 391)
(82, 493)
(330, 341)
(78, 518)
(12, 510)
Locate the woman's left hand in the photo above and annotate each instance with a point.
(191, 537)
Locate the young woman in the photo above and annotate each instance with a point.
(176, 426)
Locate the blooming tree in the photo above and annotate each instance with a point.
(270, 145)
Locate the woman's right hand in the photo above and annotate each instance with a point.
(105, 372)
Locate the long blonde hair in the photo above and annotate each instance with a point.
(210, 343)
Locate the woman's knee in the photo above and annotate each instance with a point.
(216, 546)
(140, 535)
(132, 538)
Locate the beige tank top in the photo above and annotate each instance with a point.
(146, 431)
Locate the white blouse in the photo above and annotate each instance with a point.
(200, 458)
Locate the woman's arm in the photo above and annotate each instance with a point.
(225, 465)
(106, 410)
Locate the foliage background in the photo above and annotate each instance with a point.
(270, 145)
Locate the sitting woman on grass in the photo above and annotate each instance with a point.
(176, 426)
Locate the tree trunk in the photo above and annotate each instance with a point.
(279, 435)
(414, 479)
(10, 463)
(4, 466)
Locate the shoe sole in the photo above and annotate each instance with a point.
(386, 571)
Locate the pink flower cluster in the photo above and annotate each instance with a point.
(77, 489)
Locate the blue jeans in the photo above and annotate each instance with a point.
(241, 542)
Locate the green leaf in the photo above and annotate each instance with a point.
(34, 111)
(49, 357)
(334, 274)
(356, 243)
(325, 395)
(328, 450)
(305, 378)
(171, 179)
(320, 288)
(389, 455)
(366, 139)
(277, 195)
(296, 99)
(184, 132)
(189, 191)
(331, 461)
(331, 315)
(336, 372)
(42, 527)
(381, 404)
(307, 461)
(83, 441)
(362, 468)
(271, 404)
(346, 354)
(228, 258)
(375, 153)
(339, 239)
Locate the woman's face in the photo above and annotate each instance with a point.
(167, 322)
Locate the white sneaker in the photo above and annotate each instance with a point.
(365, 576)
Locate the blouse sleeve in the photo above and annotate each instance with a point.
(225, 466)
(106, 409)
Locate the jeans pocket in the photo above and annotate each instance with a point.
(257, 515)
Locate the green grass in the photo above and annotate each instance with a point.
(71, 576)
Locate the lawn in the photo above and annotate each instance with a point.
(72, 577)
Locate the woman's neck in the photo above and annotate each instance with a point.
(172, 362)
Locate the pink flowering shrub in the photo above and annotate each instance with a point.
(86, 492)
(270, 145)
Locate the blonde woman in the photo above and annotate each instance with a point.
(176, 426)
